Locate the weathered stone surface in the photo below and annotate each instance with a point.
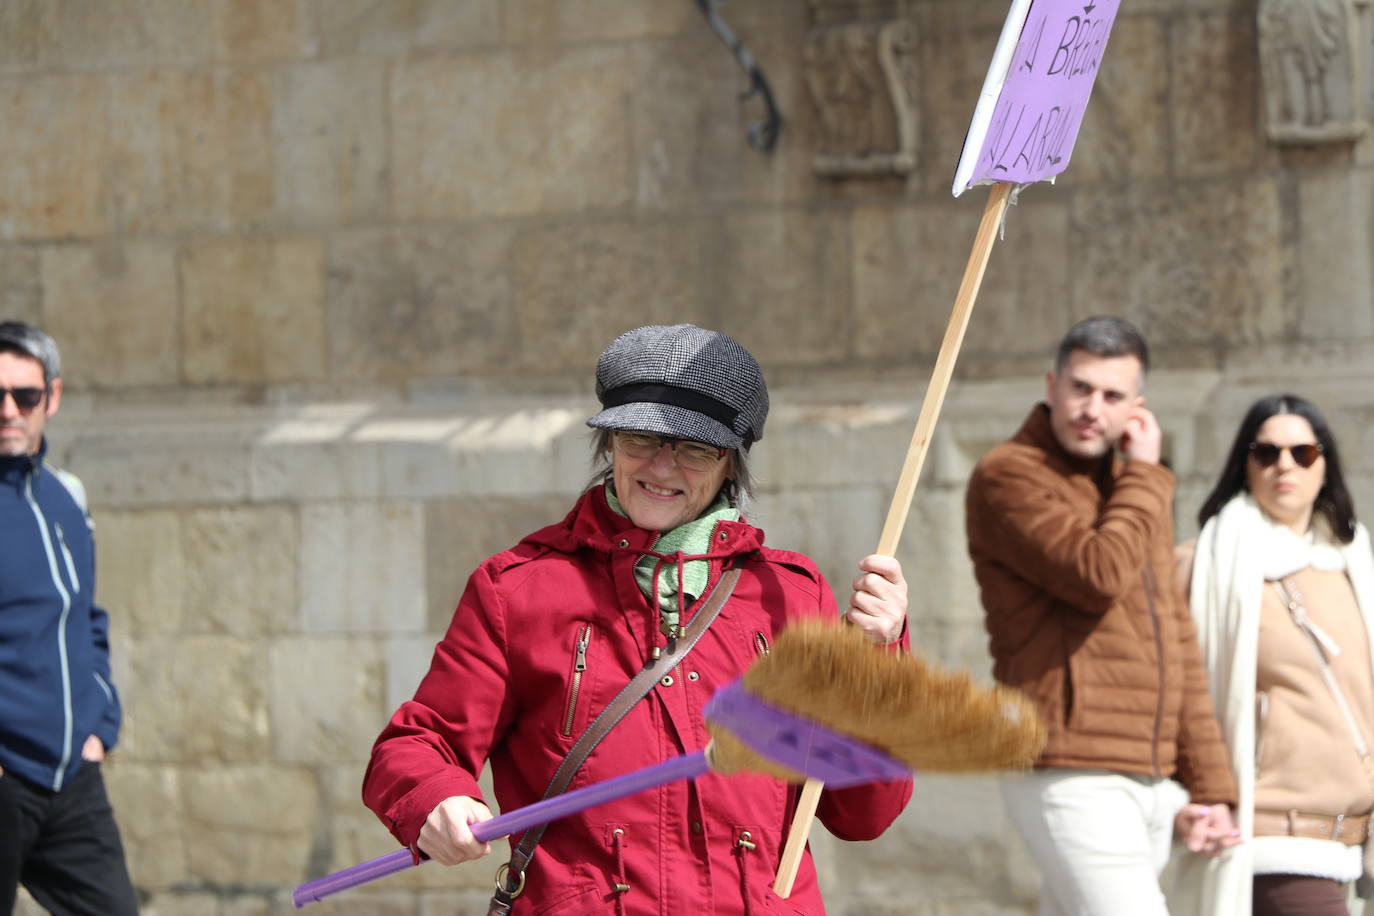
(697, 148)
(259, 904)
(313, 457)
(834, 527)
(190, 150)
(253, 310)
(506, 454)
(835, 442)
(325, 698)
(414, 303)
(956, 42)
(141, 571)
(408, 658)
(121, 470)
(353, 26)
(461, 533)
(498, 134)
(147, 804)
(52, 175)
(1144, 7)
(572, 451)
(241, 570)
(576, 283)
(604, 20)
(1334, 282)
(113, 311)
(362, 568)
(20, 287)
(1193, 265)
(1216, 131)
(368, 901)
(26, 28)
(469, 903)
(329, 155)
(129, 32)
(198, 700)
(1125, 130)
(780, 281)
(912, 259)
(252, 823)
(355, 834)
(263, 29)
(982, 862)
(179, 903)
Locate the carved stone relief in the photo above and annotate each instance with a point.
(861, 73)
(1311, 58)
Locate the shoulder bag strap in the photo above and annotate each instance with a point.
(510, 877)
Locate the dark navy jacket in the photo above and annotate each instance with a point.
(55, 685)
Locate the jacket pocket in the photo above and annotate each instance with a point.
(588, 897)
(1261, 720)
(581, 644)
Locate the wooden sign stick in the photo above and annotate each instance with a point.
(906, 482)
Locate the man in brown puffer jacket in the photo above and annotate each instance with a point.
(1073, 550)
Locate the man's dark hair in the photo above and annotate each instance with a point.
(1333, 500)
(1103, 335)
(27, 340)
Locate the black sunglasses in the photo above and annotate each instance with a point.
(1266, 454)
(24, 398)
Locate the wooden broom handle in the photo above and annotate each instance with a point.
(906, 482)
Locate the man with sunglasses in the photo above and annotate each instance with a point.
(59, 713)
(1071, 538)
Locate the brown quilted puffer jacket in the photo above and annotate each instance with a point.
(1074, 559)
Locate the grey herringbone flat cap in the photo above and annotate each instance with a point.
(684, 381)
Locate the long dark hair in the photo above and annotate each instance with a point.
(1333, 501)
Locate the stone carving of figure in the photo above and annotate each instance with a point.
(857, 74)
(847, 86)
(1307, 51)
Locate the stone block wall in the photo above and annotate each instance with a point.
(330, 277)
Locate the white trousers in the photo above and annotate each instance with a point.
(1100, 838)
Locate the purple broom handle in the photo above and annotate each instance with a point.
(688, 766)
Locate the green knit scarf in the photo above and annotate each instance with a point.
(689, 539)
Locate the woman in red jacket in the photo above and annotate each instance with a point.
(548, 632)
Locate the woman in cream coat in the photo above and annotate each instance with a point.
(1282, 589)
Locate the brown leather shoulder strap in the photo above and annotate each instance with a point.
(513, 872)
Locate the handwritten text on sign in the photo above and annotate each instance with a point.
(1030, 132)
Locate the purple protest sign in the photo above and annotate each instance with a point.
(1037, 88)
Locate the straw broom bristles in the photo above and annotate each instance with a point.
(929, 718)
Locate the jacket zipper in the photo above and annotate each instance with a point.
(761, 644)
(579, 666)
(1147, 575)
(61, 633)
(67, 555)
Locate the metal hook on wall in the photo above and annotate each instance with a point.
(763, 135)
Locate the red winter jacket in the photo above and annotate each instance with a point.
(502, 686)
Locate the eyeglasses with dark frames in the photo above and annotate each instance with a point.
(24, 398)
(1266, 454)
(691, 456)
